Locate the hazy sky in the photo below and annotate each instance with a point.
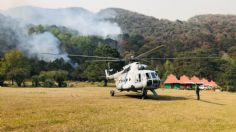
(169, 9)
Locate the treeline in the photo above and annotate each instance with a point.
(15, 66)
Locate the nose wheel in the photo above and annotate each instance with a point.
(112, 92)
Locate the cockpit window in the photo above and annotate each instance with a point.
(148, 76)
(126, 70)
(153, 75)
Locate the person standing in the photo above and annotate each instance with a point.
(105, 82)
(198, 92)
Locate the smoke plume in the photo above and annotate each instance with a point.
(14, 29)
(85, 22)
(38, 44)
(14, 34)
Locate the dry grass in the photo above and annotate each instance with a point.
(92, 109)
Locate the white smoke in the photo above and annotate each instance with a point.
(85, 22)
(14, 34)
(40, 44)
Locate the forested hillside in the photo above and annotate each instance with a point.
(201, 36)
(213, 31)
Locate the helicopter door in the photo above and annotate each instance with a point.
(139, 77)
(138, 83)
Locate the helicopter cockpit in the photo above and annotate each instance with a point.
(153, 80)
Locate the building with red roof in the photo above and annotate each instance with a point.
(171, 82)
(205, 81)
(171, 79)
(209, 85)
(213, 84)
(186, 82)
(196, 80)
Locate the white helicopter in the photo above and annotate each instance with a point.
(135, 77)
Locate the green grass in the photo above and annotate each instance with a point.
(92, 109)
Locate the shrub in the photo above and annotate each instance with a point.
(35, 81)
(49, 83)
(50, 77)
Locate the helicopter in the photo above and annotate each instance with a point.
(135, 77)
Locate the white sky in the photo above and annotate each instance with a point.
(168, 9)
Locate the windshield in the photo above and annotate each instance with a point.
(153, 75)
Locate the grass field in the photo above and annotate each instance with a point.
(92, 109)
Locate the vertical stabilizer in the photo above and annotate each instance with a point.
(107, 74)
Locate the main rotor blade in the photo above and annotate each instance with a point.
(182, 58)
(148, 52)
(146, 61)
(84, 56)
(104, 60)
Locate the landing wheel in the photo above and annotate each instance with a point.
(144, 94)
(112, 93)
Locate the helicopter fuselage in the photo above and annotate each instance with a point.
(137, 81)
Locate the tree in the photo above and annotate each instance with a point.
(169, 69)
(16, 66)
(2, 74)
(226, 73)
(2, 79)
(60, 76)
(35, 81)
(202, 67)
(95, 71)
(18, 75)
(48, 78)
(230, 78)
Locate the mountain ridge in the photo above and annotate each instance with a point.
(199, 31)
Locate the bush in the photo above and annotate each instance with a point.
(60, 76)
(49, 83)
(231, 89)
(64, 84)
(35, 81)
(50, 77)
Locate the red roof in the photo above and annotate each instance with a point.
(196, 80)
(205, 81)
(185, 80)
(212, 84)
(171, 79)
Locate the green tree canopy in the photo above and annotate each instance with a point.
(16, 66)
